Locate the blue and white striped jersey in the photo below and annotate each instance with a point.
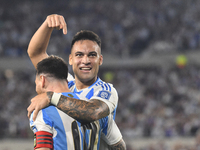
(69, 134)
(99, 90)
(105, 92)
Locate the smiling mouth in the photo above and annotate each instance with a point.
(85, 69)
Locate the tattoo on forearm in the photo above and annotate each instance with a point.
(84, 111)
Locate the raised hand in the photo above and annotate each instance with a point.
(57, 22)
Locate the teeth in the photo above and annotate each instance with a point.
(85, 68)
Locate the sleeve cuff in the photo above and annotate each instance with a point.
(55, 98)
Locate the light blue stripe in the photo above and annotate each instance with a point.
(51, 114)
(104, 124)
(114, 113)
(90, 94)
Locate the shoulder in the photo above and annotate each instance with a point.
(71, 80)
(70, 77)
(104, 86)
(44, 114)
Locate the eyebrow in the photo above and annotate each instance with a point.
(93, 52)
(89, 52)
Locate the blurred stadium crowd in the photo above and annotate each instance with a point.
(154, 102)
(126, 27)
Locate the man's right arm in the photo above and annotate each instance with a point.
(84, 111)
(40, 40)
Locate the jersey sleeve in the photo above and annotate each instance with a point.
(42, 129)
(108, 94)
(70, 77)
(41, 123)
(111, 133)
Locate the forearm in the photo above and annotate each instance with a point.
(119, 146)
(38, 44)
(81, 110)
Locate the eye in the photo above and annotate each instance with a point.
(79, 54)
(92, 55)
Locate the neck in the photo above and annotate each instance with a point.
(84, 84)
(58, 87)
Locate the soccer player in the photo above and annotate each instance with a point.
(53, 129)
(100, 98)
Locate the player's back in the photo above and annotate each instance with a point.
(67, 133)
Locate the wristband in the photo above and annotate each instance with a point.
(55, 98)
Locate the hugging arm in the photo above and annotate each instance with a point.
(84, 111)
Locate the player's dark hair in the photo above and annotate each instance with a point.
(86, 35)
(54, 66)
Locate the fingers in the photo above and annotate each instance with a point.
(64, 25)
(28, 114)
(30, 110)
(58, 22)
(37, 103)
(35, 113)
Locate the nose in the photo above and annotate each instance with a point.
(85, 59)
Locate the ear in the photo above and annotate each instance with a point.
(43, 80)
(101, 60)
(70, 59)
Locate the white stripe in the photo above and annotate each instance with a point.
(67, 120)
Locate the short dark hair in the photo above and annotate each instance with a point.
(54, 66)
(86, 35)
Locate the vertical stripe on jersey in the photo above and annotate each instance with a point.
(76, 137)
(70, 84)
(106, 86)
(85, 138)
(109, 88)
(81, 133)
(91, 133)
(99, 128)
(104, 123)
(58, 125)
(90, 94)
(114, 113)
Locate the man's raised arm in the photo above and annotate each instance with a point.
(40, 40)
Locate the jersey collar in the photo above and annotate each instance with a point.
(80, 91)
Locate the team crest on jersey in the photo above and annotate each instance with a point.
(104, 94)
(70, 95)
